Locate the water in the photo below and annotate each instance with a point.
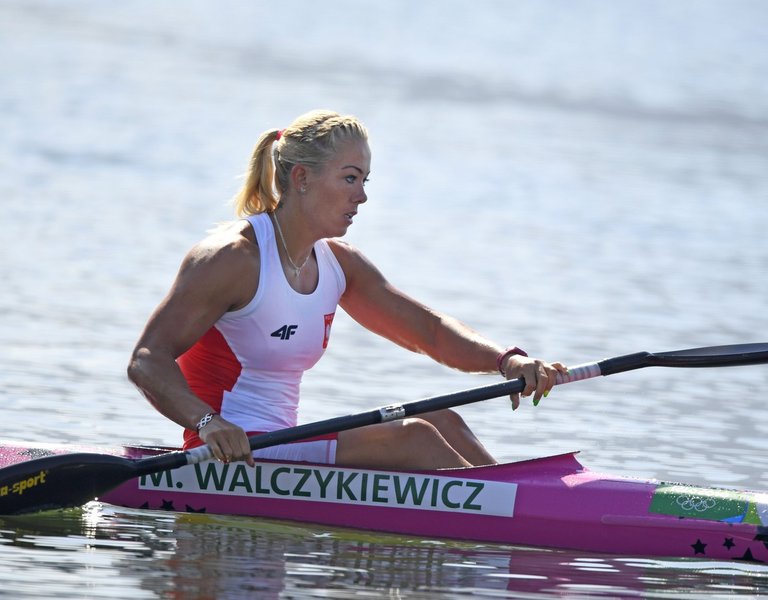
(582, 179)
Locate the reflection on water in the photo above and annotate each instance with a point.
(122, 553)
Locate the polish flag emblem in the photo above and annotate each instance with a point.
(328, 323)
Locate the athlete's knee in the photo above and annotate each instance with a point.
(412, 442)
(407, 436)
(415, 428)
(392, 436)
(445, 420)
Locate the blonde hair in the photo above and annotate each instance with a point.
(311, 140)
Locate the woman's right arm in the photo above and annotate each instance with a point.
(214, 278)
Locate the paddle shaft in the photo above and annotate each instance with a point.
(712, 356)
(374, 416)
(392, 412)
(73, 479)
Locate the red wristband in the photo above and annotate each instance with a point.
(508, 352)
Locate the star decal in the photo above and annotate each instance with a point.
(729, 543)
(748, 556)
(167, 505)
(192, 510)
(698, 547)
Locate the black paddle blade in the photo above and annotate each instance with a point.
(733, 355)
(60, 481)
(714, 356)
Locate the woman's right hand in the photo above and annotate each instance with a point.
(228, 442)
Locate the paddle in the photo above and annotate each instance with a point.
(73, 479)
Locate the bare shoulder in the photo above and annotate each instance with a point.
(341, 248)
(228, 242)
(225, 262)
(353, 262)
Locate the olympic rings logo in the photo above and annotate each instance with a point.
(696, 503)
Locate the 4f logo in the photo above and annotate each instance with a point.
(285, 332)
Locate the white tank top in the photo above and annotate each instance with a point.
(249, 365)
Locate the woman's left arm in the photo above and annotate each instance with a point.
(383, 309)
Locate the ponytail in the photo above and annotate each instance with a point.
(258, 193)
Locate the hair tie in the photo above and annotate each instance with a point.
(279, 134)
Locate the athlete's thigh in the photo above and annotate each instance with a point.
(373, 444)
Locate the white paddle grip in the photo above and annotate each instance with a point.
(198, 455)
(579, 372)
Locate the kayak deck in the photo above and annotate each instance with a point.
(550, 502)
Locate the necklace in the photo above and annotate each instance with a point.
(297, 270)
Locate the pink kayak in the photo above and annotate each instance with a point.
(548, 502)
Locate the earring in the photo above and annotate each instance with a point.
(303, 190)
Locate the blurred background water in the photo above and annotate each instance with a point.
(583, 179)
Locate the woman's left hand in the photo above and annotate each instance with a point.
(539, 376)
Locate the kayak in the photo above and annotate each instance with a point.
(552, 502)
